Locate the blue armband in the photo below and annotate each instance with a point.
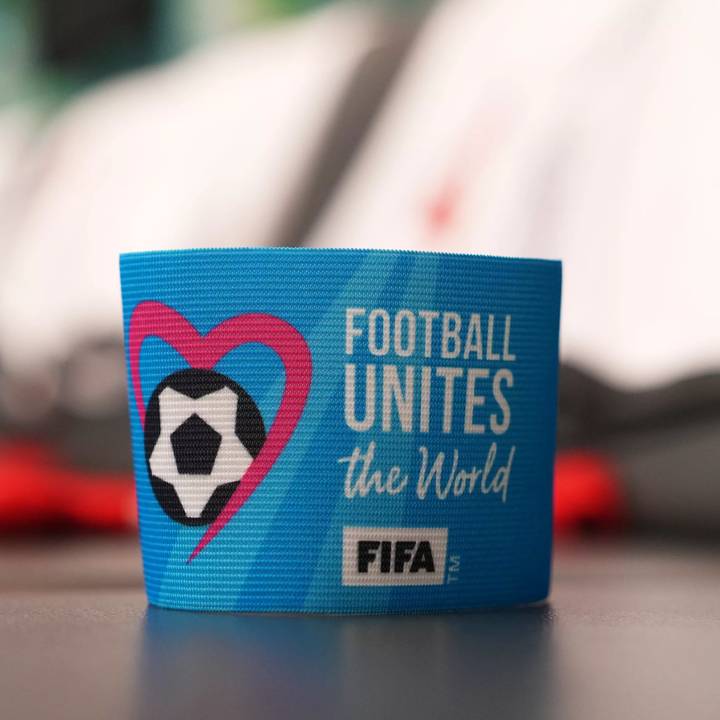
(342, 431)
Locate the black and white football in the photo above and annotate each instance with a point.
(202, 432)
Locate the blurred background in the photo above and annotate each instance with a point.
(580, 131)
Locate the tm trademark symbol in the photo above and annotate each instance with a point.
(453, 569)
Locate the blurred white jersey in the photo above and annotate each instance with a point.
(582, 131)
(205, 151)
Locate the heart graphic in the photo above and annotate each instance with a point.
(205, 351)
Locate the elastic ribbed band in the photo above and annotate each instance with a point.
(342, 431)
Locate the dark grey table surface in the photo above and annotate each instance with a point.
(632, 630)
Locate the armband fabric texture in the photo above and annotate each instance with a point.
(342, 431)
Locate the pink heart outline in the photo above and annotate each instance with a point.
(205, 351)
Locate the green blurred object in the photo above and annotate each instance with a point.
(52, 49)
(289, 7)
(293, 6)
(16, 55)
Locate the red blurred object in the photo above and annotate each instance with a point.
(587, 493)
(38, 491)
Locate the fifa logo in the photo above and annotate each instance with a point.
(394, 556)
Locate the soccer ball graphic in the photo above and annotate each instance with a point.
(202, 432)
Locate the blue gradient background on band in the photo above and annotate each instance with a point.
(283, 549)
